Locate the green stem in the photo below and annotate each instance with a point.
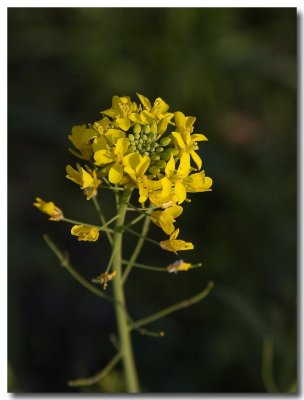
(169, 310)
(157, 269)
(137, 248)
(66, 264)
(122, 322)
(99, 376)
(102, 217)
(140, 235)
(100, 228)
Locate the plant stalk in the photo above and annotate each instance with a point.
(119, 296)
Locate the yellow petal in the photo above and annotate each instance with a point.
(142, 166)
(170, 167)
(180, 192)
(189, 123)
(99, 143)
(121, 146)
(87, 179)
(131, 160)
(198, 137)
(180, 119)
(174, 211)
(116, 173)
(123, 123)
(113, 134)
(184, 165)
(166, 187)
(144, 101)
(103, 157)
(73, 175)
(196, 158)
(178, 139)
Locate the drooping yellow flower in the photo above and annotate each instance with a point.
(165, 219)
(174, 244)
(81, 137)
(115, 158)
(87, 180)
(49, 208)
(178, 265)
(85, 233)
(186, 142)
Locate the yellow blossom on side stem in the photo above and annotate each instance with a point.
(174, 244)
(49, 208)
(87, 180)
(178, 265)
(85, 233)
(165, 219)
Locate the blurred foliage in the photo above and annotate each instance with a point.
(235, 69)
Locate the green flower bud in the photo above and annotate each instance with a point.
(147, 129)
(147, 153)
(155, 157)
(173, 151)
(145, 137)
(131, 137)
(140, 141)
(137, 128)
(153, 137)
(153, 128)
(161, 164)
(159, 149)
(154, 170)
(148, 148)
(166, 155)
(165, 141)
(137, 135)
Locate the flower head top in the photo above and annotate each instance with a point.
(141, 145)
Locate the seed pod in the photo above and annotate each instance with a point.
(137, 128)
(165, 141)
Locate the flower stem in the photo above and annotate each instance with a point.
(122, 322)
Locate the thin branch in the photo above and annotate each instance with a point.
(100, 228)
(102, 217)
(99, 376)
(169, 310)
(124, 228)
(66, 264)
(137, 249)
(158, 269)
(267, 374)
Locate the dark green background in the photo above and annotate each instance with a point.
(235, 69)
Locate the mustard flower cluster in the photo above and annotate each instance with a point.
(143, 146)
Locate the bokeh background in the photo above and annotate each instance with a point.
(235, 69)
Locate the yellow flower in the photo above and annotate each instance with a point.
(121, 108)
(186, 142)
(165, 219)
(49, 208)
(114, 158)
(87, 180)
(80, 138)
(157, 112)
(178, 265)
(173, 187)
(174, 244)
(197, 183)
(86, 233)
